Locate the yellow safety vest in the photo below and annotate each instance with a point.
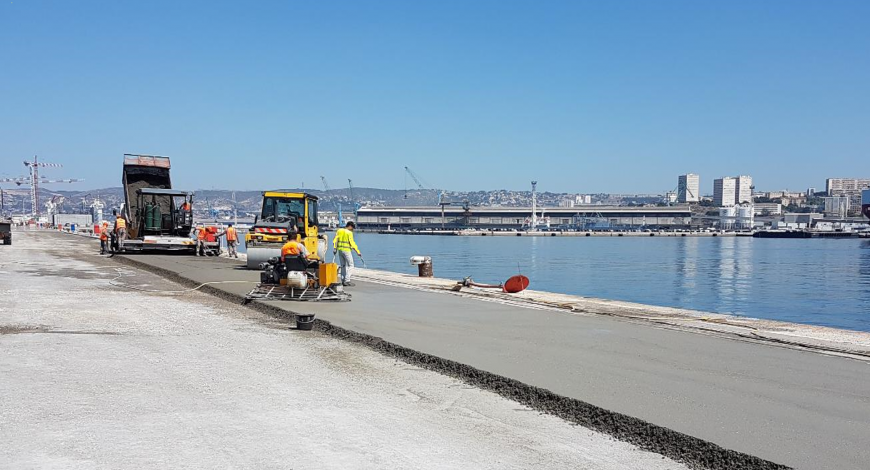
(120, 223)
(344, 241)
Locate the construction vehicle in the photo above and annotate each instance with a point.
(159, 218)
(284, 214)
(296, 278)
(6, 232)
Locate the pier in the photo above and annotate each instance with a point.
(711, 390)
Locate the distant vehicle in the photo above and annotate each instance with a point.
(6, 232)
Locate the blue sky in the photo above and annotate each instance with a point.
(584, 96)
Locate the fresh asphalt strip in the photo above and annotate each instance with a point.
(694, 452)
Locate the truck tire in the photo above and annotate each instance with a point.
(8, 240)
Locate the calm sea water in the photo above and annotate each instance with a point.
(819, 282)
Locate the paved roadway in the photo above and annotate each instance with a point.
(797, 408)
(93, 375)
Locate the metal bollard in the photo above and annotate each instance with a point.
(424, 265)
(425, 269)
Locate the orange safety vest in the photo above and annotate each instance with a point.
(200, 233)
(120, 223)
(185, 207)
(104, 231)
(231, 234)
(290, 248)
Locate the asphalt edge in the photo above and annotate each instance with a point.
(692, 451)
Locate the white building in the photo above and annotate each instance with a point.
(732, 191)
(767, 208)
(846, 186)
(724, 192)
(566, 203)
(581, 199)
(743, 192)
(837, 206)
(689, 188)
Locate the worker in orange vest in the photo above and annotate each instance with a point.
(232, 240)
(295, 248)
(200, 240)
(104, 237)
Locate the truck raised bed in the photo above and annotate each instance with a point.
(159, 218)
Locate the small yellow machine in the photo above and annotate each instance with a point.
(284, 214)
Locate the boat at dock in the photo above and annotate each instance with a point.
(805, 234)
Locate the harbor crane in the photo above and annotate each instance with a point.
(325, 184)
(418, 180)
(415, 178)
(34, 180)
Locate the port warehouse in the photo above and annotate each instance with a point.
(515, 217)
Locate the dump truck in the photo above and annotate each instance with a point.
(6, 232)
(159, 218)
(284, 214)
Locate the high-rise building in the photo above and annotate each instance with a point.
(743, 191)
(732, 191)
(846, 186)
(688, 188)
(724, 191)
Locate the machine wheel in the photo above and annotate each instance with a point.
(7, 240)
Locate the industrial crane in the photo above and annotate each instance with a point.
(415, 178)
(420, 185)
(325, 184)
(34, 180)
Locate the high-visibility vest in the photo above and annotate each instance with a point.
(344, 240)
(231, 234)
(104, 231)
(291, 248)
(120, 223)
(200, 233)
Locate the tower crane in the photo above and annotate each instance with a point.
(34, 180)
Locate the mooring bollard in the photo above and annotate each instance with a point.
(424, 265)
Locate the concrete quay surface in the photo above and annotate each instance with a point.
(107, 366)
(793, 407)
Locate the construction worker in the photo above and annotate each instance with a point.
(342, 245)
(200, 240)
(120, 229)
(232, 240)
(104, 237)
(294, 248)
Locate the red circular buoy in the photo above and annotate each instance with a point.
(516, 284)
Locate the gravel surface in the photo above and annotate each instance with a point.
(97, 375)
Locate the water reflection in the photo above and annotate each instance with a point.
(686, 276)
(735, 274)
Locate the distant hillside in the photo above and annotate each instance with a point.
(248, 202)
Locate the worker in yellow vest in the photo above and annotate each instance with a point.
(232, 240)
(342, 245)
